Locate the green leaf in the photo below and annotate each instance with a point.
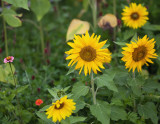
(136, 85)
(118, 113)
(107, 80)
(43, 116)
(79, 105)
(18, 3)
(133, 117)
(54, 94)
(79, 90)
(134, 38)
(148, 110)
(40, 8)
(44, 108)
(71, 70)
(26, 116)
(22, 88)
(120, 43)
(128, 34)
(6, 75)
(151, 27)
(76, 119)
(10, 16)
(101, 111)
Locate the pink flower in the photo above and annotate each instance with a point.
(8, 59)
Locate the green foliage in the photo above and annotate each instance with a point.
(43, 116)
(101, 111)
(73, 120)
(11, 17)
(118, 113)
(79, 90)
(148, 110)
(37, 6)
(107, 80)
(19, 3)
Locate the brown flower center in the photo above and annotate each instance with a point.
(61, 106)
(8, 58)
(135, 16)
(88, 53)
(139, 53)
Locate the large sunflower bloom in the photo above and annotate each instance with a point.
(61, 109)
(88, 53)
(139, 53)
(135, 16)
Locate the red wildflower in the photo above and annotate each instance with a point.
(38, 102)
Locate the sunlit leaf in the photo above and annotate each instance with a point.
(77, 27)
(6, 75)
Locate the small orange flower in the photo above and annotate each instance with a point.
(38, 102)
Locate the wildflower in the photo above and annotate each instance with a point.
(33, 77)
(135, 16)
(88, 53)
(38, 102)
(139, 53)
(8, 59)
(61, 109)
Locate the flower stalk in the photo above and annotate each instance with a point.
(42, 39)
(92, 88)
(93, 4)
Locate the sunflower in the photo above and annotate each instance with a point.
(139, 53)
(135, 16)
(61, 109)
(88, 53)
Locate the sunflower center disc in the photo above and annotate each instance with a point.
(61, 106)
(88, 53)
(139, 53)
(135, 16)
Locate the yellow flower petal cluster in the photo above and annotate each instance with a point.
(135, 16)
(139, 53)
(87, 52)
(61, 109)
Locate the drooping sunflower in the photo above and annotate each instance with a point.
(88, 53)
(135, 16)
(139, 53)
(61, 109)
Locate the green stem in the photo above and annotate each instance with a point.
(93, 4)
(13, 75)
(114, 12)
(42, 39)
(92, 86)
(5, 31)
(133, 74)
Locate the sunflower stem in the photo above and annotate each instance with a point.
(133, 74)
(92, 87)
(5, 31)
